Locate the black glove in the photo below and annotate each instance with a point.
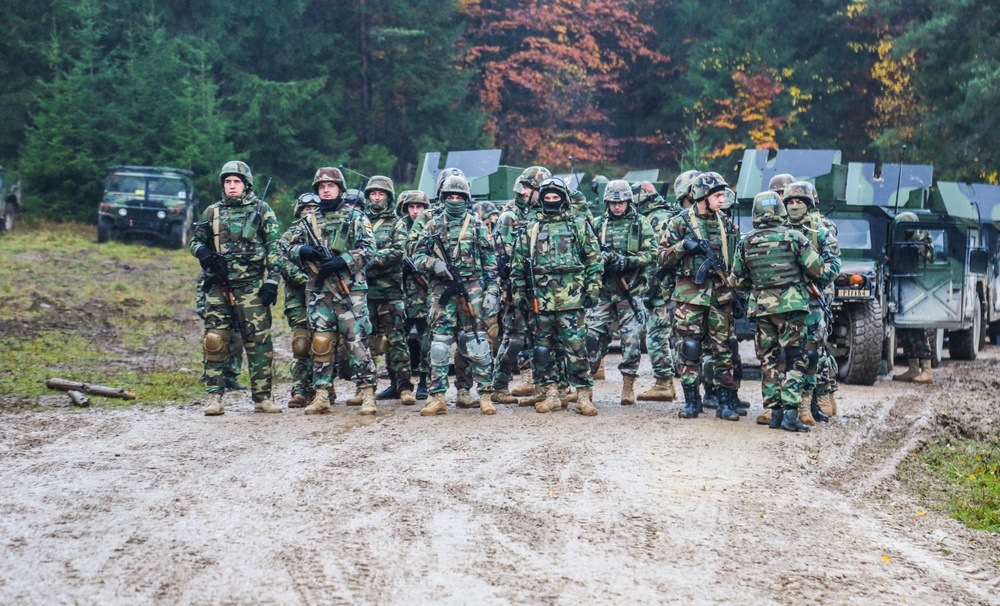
(268, 294)
(690, 244)
(311, 253)
(333, 265)
(589, 301)
(625, 264)
(209, 259)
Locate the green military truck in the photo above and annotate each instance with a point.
(10, 202)
(987, 200)
(147, 203)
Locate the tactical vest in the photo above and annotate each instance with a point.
(337, 231)
(555, 247)
(237, 231)
(717, 232)
(771, 258)
(460, 238)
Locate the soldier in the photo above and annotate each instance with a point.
(555, 264)
(682, 188)
(234, 364)
(339, 243)
(412, 203)
(660, 324)
(799, 204)
(698, 246)
(456, 253)
(916, 341)
(778, 183)
(385, 286)
(514, 325)
(628, 248)
(296, 279)
(774, 263)
(236, 242)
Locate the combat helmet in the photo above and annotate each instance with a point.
(532, 178)
(597, 182)
(557, 186)
(239, 169)
(304, 201)
(618, 191)
(778, 183)
(684, 182)
(456, 185)
(644, 193)
(707, 184)
(768, 204)
(802, 190)
(381, 183)
(444, 174)
(354, 198)
(411, 196)
(329, 174)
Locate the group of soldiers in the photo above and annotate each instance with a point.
(538, 286)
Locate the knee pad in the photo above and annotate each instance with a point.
(691, 350)
(792, 355)
(216, 345)
(440, 353)
(323, 346)
(477, 347)
(301, 343)
(812, 359)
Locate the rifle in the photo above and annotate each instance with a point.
(815, 292)
(456, 288)
(503, 266)
(717, 266)
(409, 269)
(219, 275)
(342, 288)
(541, 353)
(622, 284)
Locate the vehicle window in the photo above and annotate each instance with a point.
(940, 240)
(167, 187)
(854, 234)
(126, 184)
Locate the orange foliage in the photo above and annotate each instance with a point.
(545, 67)
(748, 111)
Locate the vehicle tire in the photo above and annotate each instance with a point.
(8, 218)
(179, 236)
(864, 343)
(103, 230)
(888, 353)
(937, 347)
(964, 344)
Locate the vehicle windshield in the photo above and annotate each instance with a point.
(854, 234)
(146, 186)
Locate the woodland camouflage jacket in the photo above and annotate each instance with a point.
(248, 237)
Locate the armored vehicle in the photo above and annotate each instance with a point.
(987, 200)
(10, 203)
(147, 203)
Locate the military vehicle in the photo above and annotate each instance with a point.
(10, 203)
(147, 203)
(987, 200)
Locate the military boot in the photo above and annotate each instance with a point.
(436, 406)
(465, 399)
(215, 406)
(527, 386)
(320, 404)
(599, 375)
(790, 420)
(551, 401)
(406, 397)
(584, 405)
(390, 392)
(356, 399)
(628, 393)
(297, 401)
(912, 372)
(711, 398)
(692, 401)
(777, 417)
(367, 400)
(740, 406)
(486, 405)
(727, 398)
(266, 406)
(537, 396)
(503, 396)
(805, 411)
(765, 417)
(662, 391)
(567, 395)
(422, 387)
(816, 411)
(827, 404)
(925, 375)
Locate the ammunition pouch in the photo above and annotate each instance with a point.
(215, 345)
(301, 343)
(324, 344)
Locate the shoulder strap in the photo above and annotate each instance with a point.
(461, 233)
(215, 228)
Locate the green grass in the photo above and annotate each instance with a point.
(960, 477)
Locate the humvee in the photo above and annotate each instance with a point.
(147, 203)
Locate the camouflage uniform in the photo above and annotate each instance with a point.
(415, 291)
(660, 324)
(628, 247)
(774, 264)
(234, 364)
(703, 318)
(347, 234)
(385, 285)
(244, 230)
(566, 263)
(470, 248)
(296, 279)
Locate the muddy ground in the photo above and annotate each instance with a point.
(635, 506)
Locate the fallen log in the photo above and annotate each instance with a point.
(79, 399)
(94, 390)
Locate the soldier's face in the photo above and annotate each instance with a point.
(414, 210)
(618, 208)
(716, 200)
(328, 190)
(377, 195)
(233, 186)
(529, 195)
(552, 197)
(307, 210)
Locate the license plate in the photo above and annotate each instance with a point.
(854, 293)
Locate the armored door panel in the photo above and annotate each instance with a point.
(933, 295)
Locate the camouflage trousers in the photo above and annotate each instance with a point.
(390, 321)
(599, 320)
(234, 365)
(253, 320)
(774, 334)
(708, 365)
(451, 328)
(710, 326)
(418, 344)
(298, 319)
(348, 317)
(916, 343)
(511, 346)
(823, 377)
(565, 334)
(659, 331)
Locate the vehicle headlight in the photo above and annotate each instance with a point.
(161, 215)
(122, 212)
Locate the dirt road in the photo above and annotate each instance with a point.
(634, 506)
